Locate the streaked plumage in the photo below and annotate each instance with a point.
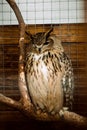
(49, 74)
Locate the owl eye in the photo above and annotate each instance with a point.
(46, 43)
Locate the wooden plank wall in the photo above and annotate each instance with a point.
(74, 40)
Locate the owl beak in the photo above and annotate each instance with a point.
(39, 49)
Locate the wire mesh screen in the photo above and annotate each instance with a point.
(68, 17)
(44, 11)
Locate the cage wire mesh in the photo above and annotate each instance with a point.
(65, 16)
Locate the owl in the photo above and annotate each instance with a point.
(49, 73)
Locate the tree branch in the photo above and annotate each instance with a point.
(25, 105)
(21, 80)
(10, 102)
(67, 116)
(16, 10)
(74, 118)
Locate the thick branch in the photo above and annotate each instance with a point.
(21, 80)
(67, 116)
(17, 12)
(70, 117)
(74, 118)
(10, 102)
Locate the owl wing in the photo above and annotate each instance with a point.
(67, 81)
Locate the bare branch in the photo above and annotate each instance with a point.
(74, 118)
(17, 12)
(10, 102)
(21, 79)
(70, 117)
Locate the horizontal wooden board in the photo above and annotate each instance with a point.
(74, 40)
(66, 32)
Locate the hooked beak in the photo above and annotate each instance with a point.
(38, 48)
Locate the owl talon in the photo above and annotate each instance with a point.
(61, 112)
(65, 108)
(38, 112)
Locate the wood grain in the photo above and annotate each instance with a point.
(66, 32)
(74, 40)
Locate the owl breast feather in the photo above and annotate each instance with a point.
(44, 75)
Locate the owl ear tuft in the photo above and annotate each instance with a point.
(29, 35)
(48, 32)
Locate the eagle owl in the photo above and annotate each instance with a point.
(49, 73)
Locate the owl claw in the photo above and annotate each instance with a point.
(65, 108)
(61, 112)
(38, 112)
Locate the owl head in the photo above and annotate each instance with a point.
(44, 41)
